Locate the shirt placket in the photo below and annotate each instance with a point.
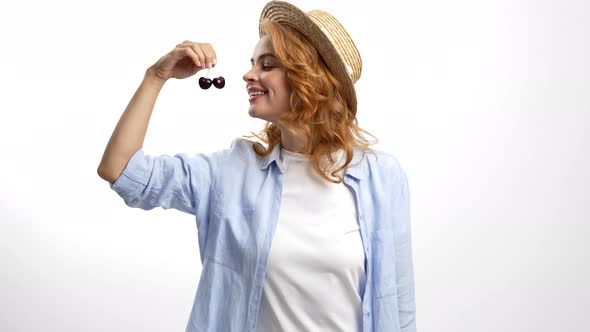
(367, 303)
(262, 259)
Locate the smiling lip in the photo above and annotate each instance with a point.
(256, 96)
(255, 93)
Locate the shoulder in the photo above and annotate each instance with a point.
(385, 174)
(383, 162)
(241, 148)
(240, 152)
(241, 145)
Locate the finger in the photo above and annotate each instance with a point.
(210, 54)
(184, 44)
(199, 52)
(194, 56)
(181, 52)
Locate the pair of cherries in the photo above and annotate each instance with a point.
(205, 82)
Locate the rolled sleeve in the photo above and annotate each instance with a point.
(134, 178)
(176, 182)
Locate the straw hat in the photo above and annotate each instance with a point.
(328, 36)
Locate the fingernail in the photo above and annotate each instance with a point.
(214, 62)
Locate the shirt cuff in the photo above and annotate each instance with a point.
(134, 178)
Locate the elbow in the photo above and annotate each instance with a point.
(106, 175)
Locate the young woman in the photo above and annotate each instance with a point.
(309, 231)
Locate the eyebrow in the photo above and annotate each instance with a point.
(261, 56)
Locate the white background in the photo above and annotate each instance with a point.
(485, 103)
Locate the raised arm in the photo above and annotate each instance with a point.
(183, 61)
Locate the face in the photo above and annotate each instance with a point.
(267, 85)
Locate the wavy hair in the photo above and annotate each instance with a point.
(318, 106)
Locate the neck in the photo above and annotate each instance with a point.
(293, 141)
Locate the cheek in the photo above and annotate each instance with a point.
(277, 82)
(286, 89)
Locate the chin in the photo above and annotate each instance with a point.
(265, 113)
(258, 115)
(254, 114)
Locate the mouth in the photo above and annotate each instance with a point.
(255, 94)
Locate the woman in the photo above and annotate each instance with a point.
(308, 232)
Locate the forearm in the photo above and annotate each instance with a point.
(131, 129)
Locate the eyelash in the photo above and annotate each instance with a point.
(267, 67)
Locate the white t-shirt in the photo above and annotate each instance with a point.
(315, 274)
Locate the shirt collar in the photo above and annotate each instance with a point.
(273, 156)
(356, 169)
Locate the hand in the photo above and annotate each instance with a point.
(185, 60)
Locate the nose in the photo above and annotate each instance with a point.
(250, 75)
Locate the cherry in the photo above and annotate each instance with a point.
(219, 82)
(205, 83)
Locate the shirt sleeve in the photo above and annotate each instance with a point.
(404, 260)
(181, 182)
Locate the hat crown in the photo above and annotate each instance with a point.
(341, 41)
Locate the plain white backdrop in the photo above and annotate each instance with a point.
(485, 103)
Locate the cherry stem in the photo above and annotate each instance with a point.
(208, 70)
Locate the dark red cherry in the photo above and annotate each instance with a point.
(219, 82)
(205, 83)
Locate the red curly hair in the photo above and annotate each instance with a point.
(318, 106)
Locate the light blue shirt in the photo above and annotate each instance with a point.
(236, 195)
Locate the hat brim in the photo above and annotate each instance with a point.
(289, 15)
